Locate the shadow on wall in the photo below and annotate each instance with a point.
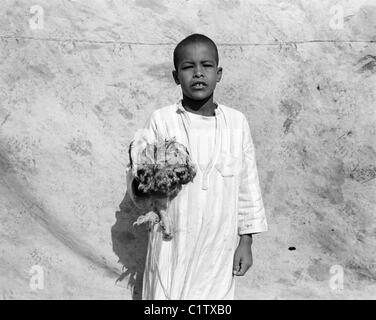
(130, 244)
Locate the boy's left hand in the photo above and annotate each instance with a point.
(243, 255)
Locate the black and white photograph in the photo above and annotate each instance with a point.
(188, 150)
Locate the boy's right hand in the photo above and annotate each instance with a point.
(135, 190)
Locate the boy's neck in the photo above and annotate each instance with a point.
(202, 107)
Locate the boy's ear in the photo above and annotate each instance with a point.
(219, 74)
(175, 75)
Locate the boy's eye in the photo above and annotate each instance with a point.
(205, 66)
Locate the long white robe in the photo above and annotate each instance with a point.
(208, 214)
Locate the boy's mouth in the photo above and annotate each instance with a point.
(199, 85)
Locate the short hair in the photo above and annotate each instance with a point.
(193, 39)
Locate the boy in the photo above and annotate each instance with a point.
(223, 201)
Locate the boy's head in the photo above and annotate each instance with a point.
(196, 66)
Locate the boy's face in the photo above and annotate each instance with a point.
(197, 71)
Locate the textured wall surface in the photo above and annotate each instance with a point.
(75, 85)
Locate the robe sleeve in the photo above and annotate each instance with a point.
(150, 131)
(251, 211)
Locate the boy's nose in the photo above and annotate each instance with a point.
(198, 72)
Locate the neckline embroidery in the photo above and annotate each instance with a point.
(218, 125)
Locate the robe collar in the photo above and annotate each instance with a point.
(219, 117)
(180, 108)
